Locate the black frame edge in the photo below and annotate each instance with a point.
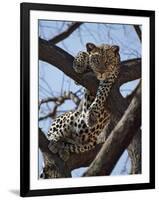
(152, 99)
(86, 9)
(93, 189)
(25, 100)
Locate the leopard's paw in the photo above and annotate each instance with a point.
(64, 154)
(53, 147)
(80, 62)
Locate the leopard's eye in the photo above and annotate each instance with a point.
(106, 62)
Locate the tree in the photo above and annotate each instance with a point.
(125, 113)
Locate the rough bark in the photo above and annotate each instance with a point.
(134, 151)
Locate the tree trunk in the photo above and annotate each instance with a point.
(134, 151)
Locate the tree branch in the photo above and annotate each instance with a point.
(51, 114)
(58, 101)
(138, 31)
(130, 70)
(119, 139)
(65, 33)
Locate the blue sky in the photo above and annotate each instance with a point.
(52, 82)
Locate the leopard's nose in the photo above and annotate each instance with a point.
(101, 77)
(102, 73)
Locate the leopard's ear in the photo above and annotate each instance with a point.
(115, 48)
(90, 47)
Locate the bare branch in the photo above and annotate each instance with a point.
(62, 98)
(51, 114)
(65, 33)
(58, 101)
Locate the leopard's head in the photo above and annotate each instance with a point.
(103, 59)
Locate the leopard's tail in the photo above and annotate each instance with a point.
(74, 148)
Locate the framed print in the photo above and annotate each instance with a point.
(87, 99)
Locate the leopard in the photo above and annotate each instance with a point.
(78, 131)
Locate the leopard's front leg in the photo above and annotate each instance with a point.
(92, 116)
(81, 62)
(96, 108)
(61, 147)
